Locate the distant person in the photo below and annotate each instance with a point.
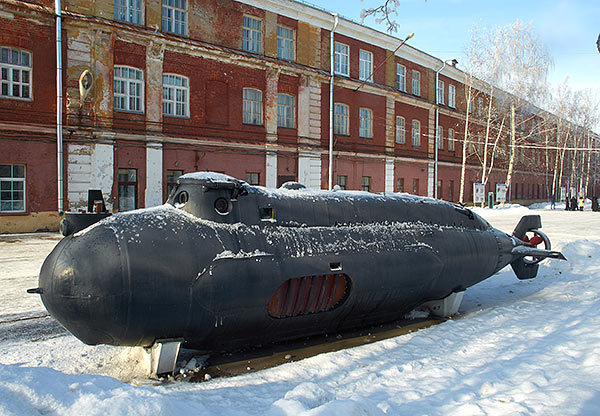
(573, 203)
(580, 202)
(595, 206)
(567, 199)
(552, 201)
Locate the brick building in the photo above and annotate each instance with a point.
(240, 87)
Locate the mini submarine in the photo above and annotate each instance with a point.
(224, 265)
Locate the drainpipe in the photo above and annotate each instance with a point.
(437, 128)
(59, 102)
(332, 56)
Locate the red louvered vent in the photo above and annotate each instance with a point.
(309, 294)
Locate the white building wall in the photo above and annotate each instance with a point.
(90, 166)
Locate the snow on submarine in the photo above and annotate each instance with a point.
(224, 264)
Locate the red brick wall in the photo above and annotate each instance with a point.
(39, 40)
(410, 66)
(410, 113)
(199, 71)
(355, 101)
(132, 155)
(355, 45)
(134, 55)
(39, 158)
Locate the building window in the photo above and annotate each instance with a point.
(128, 11)
(253, 178)
(365, 68)
(15, 73)
(342, 181)
(400, 185)
(416, 83)
(252, 34)
(285, 43)
(366, 184)
(340, 120)
(401, 77)
(451, 140)
(416, 133)
(176, 95)
(400, 130)
(440, 189)
(252, 106)
(415, 186)
(365, 123)
(440, 92)
(285, 111)
(340, 62)
(12, 188)
(440, 137)
(479, 107)
(172, 176)
(127, 179)
(451, 191)
(451, 95)
(174, 16)
(128, 87)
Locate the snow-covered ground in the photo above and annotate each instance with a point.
(520, 347)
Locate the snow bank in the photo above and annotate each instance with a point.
(519, 347)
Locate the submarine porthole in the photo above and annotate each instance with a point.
(309, 294)
(182, 198)
(223, 206)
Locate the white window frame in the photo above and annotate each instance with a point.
(252, 106)
(128, 11)
(128, 89)
(341, 59)
(416, 133)
(286, 46)
(366, 183)
(286, 111)
(176, 95)
(440, 92)
(479, 106)
(400, 130)
(401, 77)
(341, 118)
(451, 96)
(365, 65)
(365, 123)
(174, 16)
(15, 65)
(451, 140)
(416, 83)
(252, 28)
(440, 138)
(9, 188)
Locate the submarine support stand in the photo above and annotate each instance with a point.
(163, 356)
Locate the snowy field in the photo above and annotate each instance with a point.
(519, 348)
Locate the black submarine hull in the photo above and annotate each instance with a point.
(249, 272)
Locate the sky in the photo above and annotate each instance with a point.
(569, 29)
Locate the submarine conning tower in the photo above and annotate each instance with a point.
(221, 198)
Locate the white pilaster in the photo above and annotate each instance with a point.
(154, 175)
(389, 175)
(271, 170)
(309, 169)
